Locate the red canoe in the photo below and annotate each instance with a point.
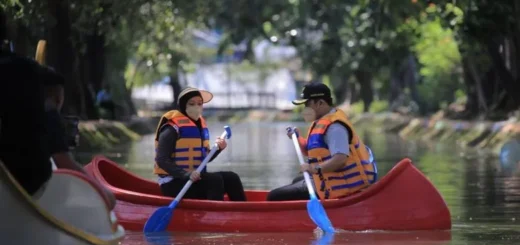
(404, 199)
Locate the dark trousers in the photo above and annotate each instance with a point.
(297, 190)
(211, 186)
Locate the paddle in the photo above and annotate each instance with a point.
(40, 58)
(160, 219)
(314, 208)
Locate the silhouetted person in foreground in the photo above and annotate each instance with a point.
(22, 122)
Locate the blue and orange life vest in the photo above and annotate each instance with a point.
(359, 170)
(192, 144)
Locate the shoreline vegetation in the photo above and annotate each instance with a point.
(461, 57)
(486, 136)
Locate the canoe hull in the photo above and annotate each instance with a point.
(55, 215)
(402, 200)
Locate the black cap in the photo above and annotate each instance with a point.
(314, 90)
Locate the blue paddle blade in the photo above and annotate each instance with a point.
(159, 220)
(319, 216)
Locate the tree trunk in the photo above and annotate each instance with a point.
(506, 78)
(129, 102)
(89, 93)
(473, 77)
(130, 88)
(515, 59)
(366, 88)
(516, 40)
(3, 26)
(92, 79)
(97, 59)
(410, 78)
(62, 57)
(249, 54)
(354, 91)
(340, 90)
(176, 87)
(90, 103)
(395, 85)
(134, 74)
(21, 39)
(472, 103)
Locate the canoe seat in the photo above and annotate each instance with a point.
(67, 212)
(75, 199)
(86, 179)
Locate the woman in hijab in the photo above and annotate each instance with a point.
(182, 143)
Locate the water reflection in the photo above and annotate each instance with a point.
(510, 157)
(324, 239)
(342, 237)
(483, 194)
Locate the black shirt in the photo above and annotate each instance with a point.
(56, 140)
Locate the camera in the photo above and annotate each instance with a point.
(71, 131)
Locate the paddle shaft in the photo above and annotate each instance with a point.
(306, 175)
(53, 164)
(201, 166)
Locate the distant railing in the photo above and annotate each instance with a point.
(243, 100)
(224, 101)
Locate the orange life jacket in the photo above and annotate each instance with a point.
(359, 170)
(192, 144)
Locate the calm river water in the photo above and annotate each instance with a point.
(483, 194)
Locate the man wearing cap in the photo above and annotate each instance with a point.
(338, 161)
(182, 143)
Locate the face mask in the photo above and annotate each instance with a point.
(308, 114)
(194, 112)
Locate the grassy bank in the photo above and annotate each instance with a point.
(102, 134)
(482, 135)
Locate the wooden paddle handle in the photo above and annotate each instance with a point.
(41, 52)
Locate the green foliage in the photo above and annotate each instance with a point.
(379, 106)
(164, 46)
(459, 94)
(437, 51)
(13, 7)
(376, 107)
(334, 38)
(327, 81)
(439, 57)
